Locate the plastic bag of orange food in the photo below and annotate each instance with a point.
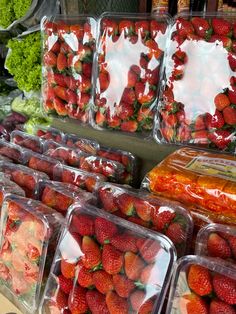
(203, 180)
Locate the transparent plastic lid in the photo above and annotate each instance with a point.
(31, 142)
(12, 151)
(84, 144)
(48, 133)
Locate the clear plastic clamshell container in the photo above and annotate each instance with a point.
(12, 151)
(198, 94)
(25, 140)
(48, 133)
(84, 144)
(8, 187)
(29, 234)
(128, 266)
(202, 285)
(130, 53)
(68, 52)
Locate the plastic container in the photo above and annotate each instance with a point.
(25, 140)
(8, 187)
(197, 103)
(68, 52)
(12, 151)
(42, 163)
(29, 234)
(60, 196)
(127, 159)
(202, 285)
(217, 240)
(144, 209)
(200, 179)
(83, 179)
(48, 133)
(84, 144)
(27, 178)
(115, 269)
(129, 58)
(3, 158)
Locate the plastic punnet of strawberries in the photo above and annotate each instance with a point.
(48, 133)
(8, 187)
(84, 144)
(198, 99)
(68, 48)
(106, 265)
(25, 140)
(202, 286)
(130, 54)
(12, 151)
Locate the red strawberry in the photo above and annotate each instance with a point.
(112, 259)
(150, 275)
(100, 118)
(62, 29)
(77, 300)
(85, 277)
(133, 266)
(217, 246)
(85, 85)
(104, 230)
(199, 280)
(60, 80)
(83, 101)
(226, 41)
(59, 106)
(125, 111)
(232, 94)
(221, 101)
(132, 79)
(128, 96)
(83, 224)
(202, 27)
(225, 288)
(68, 269)
(192, 304)
(123, 286)
(144, 94)
(109, 27)
(126, 204)
(142, 28)
(103, 281)
(221, 26)
(61, 92)
(116, 304)
(221, 138)
(217, 307)
(126, 27)
(71, 83)
(50, 59)
(78, 30)
(176, 233)
(104, 81)
(148, 249)
(58, 302)
(72, 97)
(157, 28)
(232, 60)
(65, 284)
(184, 27)
(108, 200)
(87, 69)
(229, 114)
(129, 126)
(199, 123)
(139, 221)
(161, 219)
(124, 242)
(77, 65)
(49, 27)
(232, 243)
(154, 51)
(96, 302)
(143, 209)
(61, 62)
(113, 122)
(92, 254)
(139, 304)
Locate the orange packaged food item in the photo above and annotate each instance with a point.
(206, 181)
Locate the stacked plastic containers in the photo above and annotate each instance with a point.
(115, 257)
(8, 187)
(48, 133)
(84, 144)
(12, 151)
(25, 140)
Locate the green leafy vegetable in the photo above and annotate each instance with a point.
(31, 123)
(12, 10)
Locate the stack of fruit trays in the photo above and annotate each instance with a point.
(29, 234)
(25, 140)
(84, 144)
(8, 187)
(12, 151)
(47, 133)
(128, 266)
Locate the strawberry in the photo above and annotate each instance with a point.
(85, 277)
(58, 302)
(154, 51)
(150, 275)
(112, 259)
(232, 60)
(104, 81)
(125, 203)
(190, 303)
(229, 114)
(83, 101)
(85, 53)
(85, 84)
(116, 304)
(202, 27)
(148, 249)
(124, 242)
(72, 97)
(139, 221)
(62, 29)
(103, 281)
(143, 62)
(50, 59)
(78, 30)
(156, 28)
(176, 233)
(133, 266)
(68, 269)
(77, 65)
(199, 123)
(221, 26)
(221, 101)
(184, 27)
(100, 118)
(225, 288)
(226, 41)
(70, 82)
(128, 96)
(232, 94)
(61, 62)
(217, 246)
(108, 200)
(132, 78)
(126, 27)
(92, 254)
(161, 220)
(109, 27)
(139, 304)
(87, 69)
(151, 76)
(180, 57)
(59, 106)
(49, 27)
(77, 300)
(65, 284)
(83, 224)
(113, 122)
(129, 126)
(104, 230)
(61, 92)
(199, 280)
(125, 111)
(221, 138)
(60, 80)
(146, 307)
(122, 285)
(96, 302)
(232, 243)
(143, 209)
(144, 94)
(142, 28)
(217, 307)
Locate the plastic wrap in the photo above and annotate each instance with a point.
(8, 187)
(12, 151)
(25, 140)
(84, 144)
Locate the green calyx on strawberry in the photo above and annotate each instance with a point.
(126, 204)
(202, 27)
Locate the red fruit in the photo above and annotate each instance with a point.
(150, 275)
(232, 243)
(77, 300)
(133, 266)
(161, 220)
(139, 221)
(125, 111)
(184, 27)
(232, 61)
(112, 259)
(192, 304)
(144, 94)
(71, 83)
(217, 246)
(104, 81)
(62, 30)
(221, 101)
(96, 302)
(61, 62)
(65, 284)
(85, 277)
(199, 280)
(61, 92)
(126, 204)
(59, 106)
(221, 138)
(109, 27)
(68, 269)
(126, 27)
(122, 285)
(83, 101)
(59, 80)
(148, 249)
(200, 123)
(226, 41)
(87, 69)
(132, 79)
(225, 288)
(129, 126)
(124, 242)
(128, 96)
(142, 28)
(229, 114)
(143, 209)
(104, 230)
(108, 200)
(217, 307)
(221, 26)
(202, 27)
(50, 27)
(85, 85)
(78, 30)
(58, 302)
(176, 233)
(92, 253)
(116, 304)
(157, 27)
(113, 122)
(154, 51)
(103, 281)
(232, 94)
(83, 224)
(100, 118)
(139, 304)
